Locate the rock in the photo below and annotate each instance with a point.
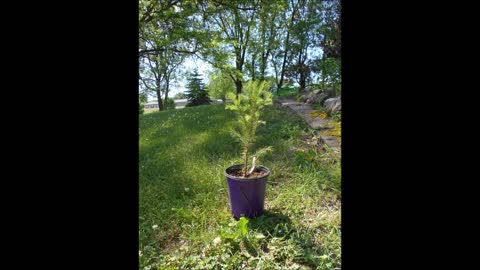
(330, 92)
(333, 105)
(306, 95)
(314, 92)
(318, 97)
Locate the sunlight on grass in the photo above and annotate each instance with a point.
(184, 197)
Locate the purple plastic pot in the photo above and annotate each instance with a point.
(247, 196)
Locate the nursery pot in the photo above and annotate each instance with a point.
(247, 196)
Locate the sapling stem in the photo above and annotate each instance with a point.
(253, 165)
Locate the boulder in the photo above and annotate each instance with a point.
(330, 92)
(333, 105)
(317, 97)
(305, 96)
(314, 92)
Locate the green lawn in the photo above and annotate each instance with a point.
(287, 91)
(185, 220)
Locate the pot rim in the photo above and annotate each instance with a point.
(265, 169)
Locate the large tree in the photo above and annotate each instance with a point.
(279, 56)
(231, 24)
(169, 32)
(332, 42)
(328, 65)
(264, 38)
(303, 43)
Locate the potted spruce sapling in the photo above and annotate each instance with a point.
(247, 181)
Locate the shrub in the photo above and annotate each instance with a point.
(169, 104)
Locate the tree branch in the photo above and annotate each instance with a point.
(225, 27)
(233, 6)
(159, 50)
(146, 86)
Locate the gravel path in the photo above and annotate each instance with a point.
(317, 123)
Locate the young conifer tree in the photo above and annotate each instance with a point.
(249, 105)
(197, 93)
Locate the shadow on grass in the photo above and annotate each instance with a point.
(269, 222)
(273, 223)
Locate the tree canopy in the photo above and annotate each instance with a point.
(282, 40)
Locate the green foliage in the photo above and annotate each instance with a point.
(169, 104)
(142, 97)
(219, 85)
(337, 116)
(330, 70)
(245, 39)
(249, 106)
(236, 231)
(197, 93)
(165, 32)
(318, 106)
(231, 35)
(331, 29)
(141, 107)
(287, 91)
(272, 83)
(179, 95)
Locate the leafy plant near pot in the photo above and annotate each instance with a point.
(247, 184)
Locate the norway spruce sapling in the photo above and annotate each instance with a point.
(248, 106)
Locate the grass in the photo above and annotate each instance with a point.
(287, 91)
(151, 110)
(317, 106)
(185, 220)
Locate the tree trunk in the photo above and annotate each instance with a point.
(238, 86)
(253, 68)
(282, 74)
(167, 86)
(303, 81)
(239, 67)
(263, 66)
(245, 165)
(286, 46)
(159, 100)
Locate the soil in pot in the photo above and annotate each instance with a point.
(255, 174)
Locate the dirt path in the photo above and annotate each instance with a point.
(317, 123)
